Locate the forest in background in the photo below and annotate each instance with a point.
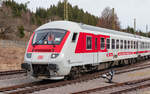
(17, 20)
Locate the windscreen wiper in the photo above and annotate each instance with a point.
(42, 38)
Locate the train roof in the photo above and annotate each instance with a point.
(68, 25)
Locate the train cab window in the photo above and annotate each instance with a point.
(102, 42)
(128, 44)
(74, 37)
(121, 45)
(88, 42)
(95, 43)
(108, 43)
(113, 44)
(125, 44)
(117, 44)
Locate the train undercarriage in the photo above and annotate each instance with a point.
(48, 70)
(78, 71)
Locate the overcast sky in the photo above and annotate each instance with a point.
(126, 10)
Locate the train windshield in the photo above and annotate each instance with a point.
(49, 37)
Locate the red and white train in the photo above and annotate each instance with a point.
(62, 49)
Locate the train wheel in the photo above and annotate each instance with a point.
(74, 74)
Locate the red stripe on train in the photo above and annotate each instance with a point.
(81, 43)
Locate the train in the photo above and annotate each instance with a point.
(66, 49)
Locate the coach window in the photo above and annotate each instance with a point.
(125, 44)
(89, 42)
(108, 43)
(117, 44)
(121, 46)
(147, 45)
(95, 43)
(102, 43)
(74, 37)
(131, 44)
(142, 45)
(137, 45)
(134, 45)
(113, 44)
(128, 44)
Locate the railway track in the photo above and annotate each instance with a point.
(12, 72)
(119, 88)
(37, 86)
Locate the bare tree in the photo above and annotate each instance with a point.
(107, 19)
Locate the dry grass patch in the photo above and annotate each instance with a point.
(11, 58)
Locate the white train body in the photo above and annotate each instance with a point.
(77, 44)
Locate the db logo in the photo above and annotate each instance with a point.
(40, 57)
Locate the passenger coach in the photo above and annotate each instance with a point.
(66, 49)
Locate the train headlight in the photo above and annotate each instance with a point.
(54, 55)
(29, 55)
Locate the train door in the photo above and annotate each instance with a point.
(89, 55)
(103, 50)
(95, 54)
